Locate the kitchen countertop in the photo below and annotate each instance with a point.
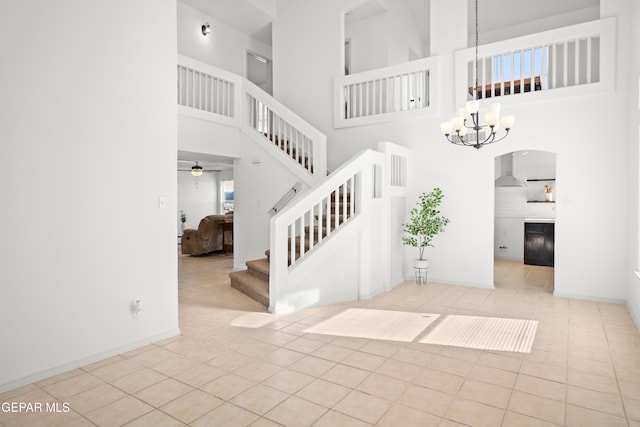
(541, 220)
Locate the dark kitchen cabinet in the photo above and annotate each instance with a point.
(538, 243)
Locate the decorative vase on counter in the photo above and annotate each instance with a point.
(548, 197)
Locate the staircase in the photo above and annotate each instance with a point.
(254, 281)
(298, 232)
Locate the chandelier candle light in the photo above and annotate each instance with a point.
(460, 126)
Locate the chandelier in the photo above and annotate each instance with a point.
(460, 131)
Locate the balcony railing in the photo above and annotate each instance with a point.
(212, 94)
(579, 58)
(383, 94)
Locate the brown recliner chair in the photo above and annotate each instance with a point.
(207, 238)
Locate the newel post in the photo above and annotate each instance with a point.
(319, 156)
(278, 268)
(364, 195)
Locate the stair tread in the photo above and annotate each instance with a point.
(261, 265)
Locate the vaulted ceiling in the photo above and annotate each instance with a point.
(254, 17)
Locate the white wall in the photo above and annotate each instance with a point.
(202, 136)
(314, 283)
(259, 183)
(589, 264)
(549, 23)
(383, 39)
(224, 48)
(633, 162)
(308, 40)
(368, 42)
(197, 201)
(82, 231)
(398, 216)
(402, 33)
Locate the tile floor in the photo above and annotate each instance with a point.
(235, 365)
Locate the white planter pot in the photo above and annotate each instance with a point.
(420, 263)
(421, 267)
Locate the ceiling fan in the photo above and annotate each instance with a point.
(197, 170)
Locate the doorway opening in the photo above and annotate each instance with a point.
(347, 56)
(524, 220)
(366, 38)
(260, 71)
(227, 197)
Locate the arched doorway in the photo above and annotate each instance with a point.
(524, 220)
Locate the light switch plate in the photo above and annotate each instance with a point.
(162, 202)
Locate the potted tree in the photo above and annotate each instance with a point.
(424, 224)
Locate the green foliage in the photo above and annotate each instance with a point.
(425, 221)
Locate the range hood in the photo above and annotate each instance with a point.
(506, 178)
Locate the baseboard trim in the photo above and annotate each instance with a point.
(634, 315)
(28, 379)
(590, 298)
(506, 258)
(453, 283)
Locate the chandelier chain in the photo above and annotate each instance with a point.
(476, 88)
(455, 130)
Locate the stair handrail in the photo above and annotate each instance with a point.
(238, 90)
(318, 139)
(290, 194)
(361, 167)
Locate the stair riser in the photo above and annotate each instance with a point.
(258, 274)
(249, 292)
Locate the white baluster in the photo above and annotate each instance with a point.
(292, 243)
(576, 58)
(565, 71)
(589, 58)
(352, 189)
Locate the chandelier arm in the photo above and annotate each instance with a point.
(487, 142)
(492, 134)
(503, 137)
(489, 139)
(457, 141)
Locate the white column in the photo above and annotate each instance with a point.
(449, 32)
